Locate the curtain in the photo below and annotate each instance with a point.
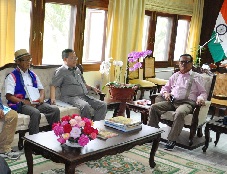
(124, 31)
(195, 28)
(7, 31)
(192, 8)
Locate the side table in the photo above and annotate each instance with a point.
(138, 106)
(113, 105)
(217, 126)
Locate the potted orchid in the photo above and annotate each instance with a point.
(133, 65)
(133, 58)
(75, 131)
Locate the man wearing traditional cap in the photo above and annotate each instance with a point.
(74, 89)
(15, 85)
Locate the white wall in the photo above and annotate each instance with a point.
(93, 78)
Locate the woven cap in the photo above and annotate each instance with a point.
(21, 53)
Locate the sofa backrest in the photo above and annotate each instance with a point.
(45, 74)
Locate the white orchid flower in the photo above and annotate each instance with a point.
(105, 67)
(118, 63)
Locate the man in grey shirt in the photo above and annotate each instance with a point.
(74, 89)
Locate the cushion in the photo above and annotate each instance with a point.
(142, 83)
(158, 81)
(219, 102)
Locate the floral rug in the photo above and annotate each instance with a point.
(134, 161)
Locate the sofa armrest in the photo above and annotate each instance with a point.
(99, 96)
(102, 96)
(200, 113)
(203, 112)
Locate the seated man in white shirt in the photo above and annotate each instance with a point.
(182, 92)
(15, 84)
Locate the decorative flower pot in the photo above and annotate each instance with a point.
(72, 144)
(122, 94)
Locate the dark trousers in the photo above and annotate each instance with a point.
(51, 112)
(4, 168)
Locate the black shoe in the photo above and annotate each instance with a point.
(13, 155)
(170, 145)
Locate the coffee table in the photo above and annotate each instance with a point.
(46, 144)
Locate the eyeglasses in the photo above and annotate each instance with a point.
(185, 61)
(73, 58)
(26, 60)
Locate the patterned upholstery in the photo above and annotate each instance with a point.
(149, 73)
(144, 85)
(219, 98)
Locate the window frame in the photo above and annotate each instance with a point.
(151, 35)
(37, 26)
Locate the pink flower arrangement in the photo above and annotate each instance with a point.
(76, 129)
(134, 56)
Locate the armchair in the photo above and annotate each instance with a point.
(149, 73)
(144, 85)
(197, 119)
(219, 98)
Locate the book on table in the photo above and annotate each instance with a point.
(123, 124)
(33, 94)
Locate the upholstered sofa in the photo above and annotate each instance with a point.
(45, 74)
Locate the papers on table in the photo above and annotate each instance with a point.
(133, 125)
(33, 94)
(104, 134)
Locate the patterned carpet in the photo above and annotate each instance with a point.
(134, 161)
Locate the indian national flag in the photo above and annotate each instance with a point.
(219, 50)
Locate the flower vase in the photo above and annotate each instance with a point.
(121, 94)
(72, 144)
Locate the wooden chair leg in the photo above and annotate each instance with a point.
(191, 136)
(199, 132)
(215, 111)
(21, 142)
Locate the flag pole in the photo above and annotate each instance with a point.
(216, 41)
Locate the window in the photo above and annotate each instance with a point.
(22, 24)
(145, 32)
(94, 35)
(162, 38)
(181, 39)
(46, 27)
(167, 36)
(57, 36)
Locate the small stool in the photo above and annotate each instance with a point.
(217, 126)
(137, 107)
